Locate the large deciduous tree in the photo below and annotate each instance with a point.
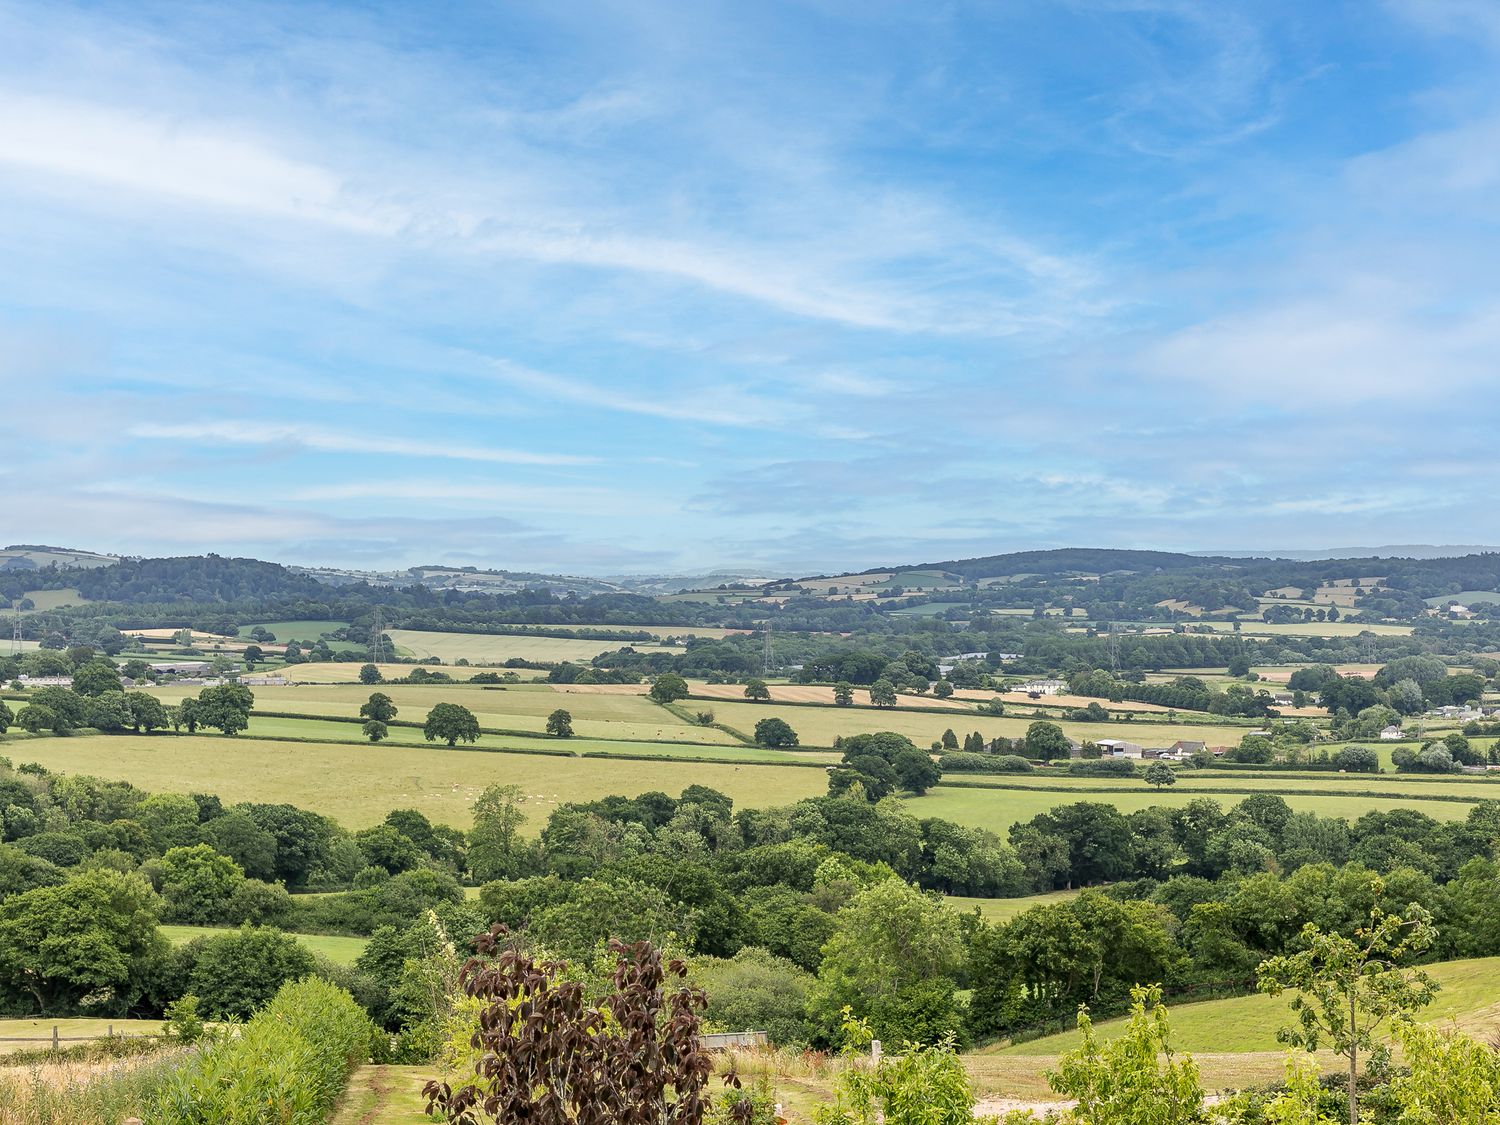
(892, 959)
(450, 723)
(379, 707)
(668, 688)
(92, 939)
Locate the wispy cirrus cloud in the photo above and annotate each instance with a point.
(209, 431)
(827, 286)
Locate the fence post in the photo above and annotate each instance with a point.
(875, 1051)
(54, 1037)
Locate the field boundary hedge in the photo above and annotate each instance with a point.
(290, 1063)
(502, 732)
(1217, 790)
(702, 761)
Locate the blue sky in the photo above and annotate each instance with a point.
(635, 286)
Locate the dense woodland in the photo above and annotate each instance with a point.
(814, 901)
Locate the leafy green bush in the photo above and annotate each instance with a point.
(289, 1065)
(757, 991)
(1102, 767)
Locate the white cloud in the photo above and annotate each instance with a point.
(204, 163)
(541, 209)
(209, 431)
(519, 497)
(707, 403)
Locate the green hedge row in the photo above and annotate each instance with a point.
(288, 1066)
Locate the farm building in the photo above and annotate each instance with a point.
(1390, 734)
(1043, 687)
(183, 668)
(1119, 748)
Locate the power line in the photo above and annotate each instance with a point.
(377, 637)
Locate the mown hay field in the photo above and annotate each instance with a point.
(347, 672)
(37, 1034)
(658, 631)
(814, 693)
(487, 648)
(819, 726)
(1310, 629)
(514, 707)
(1021, 699)
(357, 784)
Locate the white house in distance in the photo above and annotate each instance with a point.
(1042, 687)
(1390, 734)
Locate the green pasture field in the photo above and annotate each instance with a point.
(997, 910)
(916, 580)
(1248, 1023)
(295, 630)
(1463, 597)
(340, 950)
(819, 726)
(54, 599)
(516, 707)
(357, 784)
(998, 809)
(931, 609)
(486, 648)
(1413, 787)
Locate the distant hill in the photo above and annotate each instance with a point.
(196, 578)
(1389, 551)
(1077, 560)
(34, 556)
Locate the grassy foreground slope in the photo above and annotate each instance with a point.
(1468, 996)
